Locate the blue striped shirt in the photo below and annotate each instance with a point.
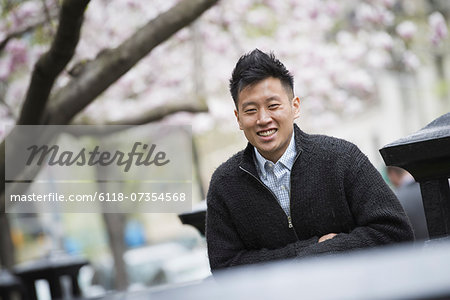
(277, 176)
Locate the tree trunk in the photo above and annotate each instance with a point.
(115, 224)
(7, 257)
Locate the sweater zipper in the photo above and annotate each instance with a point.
(265, 186)
(290, 193)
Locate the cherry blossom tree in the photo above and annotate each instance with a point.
(57, 92)
(334, 49)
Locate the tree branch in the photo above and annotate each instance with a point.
(153, 115)
(47, 12)
(110, 65)
(51, 63)
(19, 32)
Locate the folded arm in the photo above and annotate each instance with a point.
(226, 248)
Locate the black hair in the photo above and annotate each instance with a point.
(255, 66)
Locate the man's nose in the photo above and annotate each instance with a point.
(263, 117)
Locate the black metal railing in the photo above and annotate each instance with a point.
(426, 155)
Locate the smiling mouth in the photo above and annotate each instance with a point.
(267, 132)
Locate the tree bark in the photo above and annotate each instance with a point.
(51, 63)
(7, 257)
(115, 224)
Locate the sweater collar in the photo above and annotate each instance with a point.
(248, 157)
(287, 159)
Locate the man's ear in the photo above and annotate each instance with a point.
(296, 107)
(236, 113)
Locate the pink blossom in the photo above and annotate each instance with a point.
(365, 13)
(325, 120)
(4, 68)
(258, 17)
(438, 27)
(406, 30)
(16, 92)
(313, 12)
(378, 59)
(385, 17)
(382, 40)
(321, 85)
(25, 11)
(410, 60)
(377, 15)
(333, 8)
(133, 4)
(344, 38)
(388, 3)
(355, 53)
(314, 103)
(18, 54)
(354, 106)
(330, 69)
(339, 98)
(359, 81)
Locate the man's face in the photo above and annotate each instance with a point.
(266, 115)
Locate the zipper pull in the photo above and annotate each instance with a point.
(290, 222)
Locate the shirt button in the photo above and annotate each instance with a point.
(283, 187)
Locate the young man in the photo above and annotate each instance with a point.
(290, 194)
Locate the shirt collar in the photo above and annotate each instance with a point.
(287, 159)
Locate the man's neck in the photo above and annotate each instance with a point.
(290, 144)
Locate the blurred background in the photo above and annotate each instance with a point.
(367, 71)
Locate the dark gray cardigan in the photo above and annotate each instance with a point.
(334, 188)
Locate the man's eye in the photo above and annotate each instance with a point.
(250, 110)
(274, 105)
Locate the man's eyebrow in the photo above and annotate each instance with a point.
(248, 104)
(268, 99)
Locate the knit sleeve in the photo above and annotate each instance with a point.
(225, 246)
(379, 217)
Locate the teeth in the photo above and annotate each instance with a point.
(267, 133)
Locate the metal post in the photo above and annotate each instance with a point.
(437, 206)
